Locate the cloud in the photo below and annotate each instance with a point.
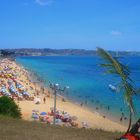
(44, 2)
(116, 33)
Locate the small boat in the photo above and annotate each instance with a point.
(111, 87)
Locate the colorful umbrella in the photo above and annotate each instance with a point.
(43, 113)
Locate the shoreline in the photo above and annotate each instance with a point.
(94, 119)
(98, 112)
(34, 77)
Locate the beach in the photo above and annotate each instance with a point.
(33, 90)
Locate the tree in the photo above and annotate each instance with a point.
(9, 108)
(115, 67)
(6, 53)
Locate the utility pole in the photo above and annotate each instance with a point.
(56, 88)
(54, 116)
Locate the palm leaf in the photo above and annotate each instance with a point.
(113, 66)
(113, 63)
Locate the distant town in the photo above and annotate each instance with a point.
(61, 52)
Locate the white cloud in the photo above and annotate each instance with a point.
(44, 2)
(116, 33)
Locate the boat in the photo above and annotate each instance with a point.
(112, 88)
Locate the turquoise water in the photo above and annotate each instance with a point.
(87, 80)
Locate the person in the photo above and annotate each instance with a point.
(37, 93)
(81, 104)
(121, 119)
(44, 100)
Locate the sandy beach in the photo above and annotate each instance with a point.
(94, 120)
(22, 76)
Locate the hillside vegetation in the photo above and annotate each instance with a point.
(13, 129)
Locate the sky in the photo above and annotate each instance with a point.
(78, 24)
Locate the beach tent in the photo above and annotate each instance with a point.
(37, 100)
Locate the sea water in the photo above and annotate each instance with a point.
(88, 82)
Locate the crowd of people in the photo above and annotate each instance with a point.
(12, 83)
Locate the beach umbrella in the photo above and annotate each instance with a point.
(43, 113)
(35, 116)
(49, 120)
(58, 121)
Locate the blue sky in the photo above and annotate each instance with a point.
(111, 24)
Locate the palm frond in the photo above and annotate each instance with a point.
(113, 63)
(106, 65)
(114, 66)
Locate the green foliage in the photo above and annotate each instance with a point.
(114, 66)
(9, 108)
(6, 53)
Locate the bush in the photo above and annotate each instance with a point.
(9, 108)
